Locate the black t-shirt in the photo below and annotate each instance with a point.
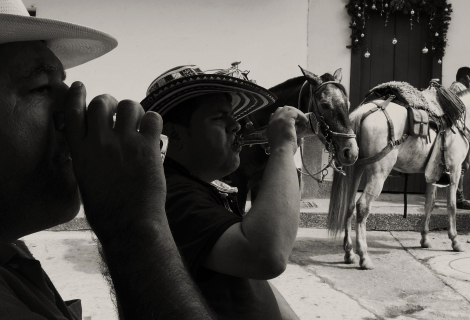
(198, 214)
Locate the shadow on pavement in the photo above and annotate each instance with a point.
(83, 255)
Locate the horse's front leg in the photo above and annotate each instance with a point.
(376, 174)
(451, 211)
(428, 207)
(349, 255)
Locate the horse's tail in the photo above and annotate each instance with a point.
(341, 189)
(339, 200)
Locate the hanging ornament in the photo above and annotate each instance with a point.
(365, 5)
(359, 8)
(394, 41)
(356, 41)
(374, 7)
(354, 23)
(425, 50)
(362, 35)
(367, 54)
(355, 5)
(386, 5)
(412, 11)
(439, 61)
(446, 9)
(436, 34)
(358, 14)
(432, 48)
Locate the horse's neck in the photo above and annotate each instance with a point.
(287, 95)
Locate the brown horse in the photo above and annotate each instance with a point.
(411, 156)
(325, 97)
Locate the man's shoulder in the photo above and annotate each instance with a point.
(456, 87)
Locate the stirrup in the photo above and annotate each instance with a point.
(443, 181)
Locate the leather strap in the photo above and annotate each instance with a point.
(391, 130)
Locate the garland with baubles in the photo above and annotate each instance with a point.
(439, 18)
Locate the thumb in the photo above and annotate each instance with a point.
(75, 114)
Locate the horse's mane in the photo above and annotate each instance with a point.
(299, 80)
(289, 83)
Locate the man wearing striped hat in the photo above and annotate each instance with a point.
(118, 170)
(461, 83)
(230, 255)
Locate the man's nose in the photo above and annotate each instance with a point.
(234, 126)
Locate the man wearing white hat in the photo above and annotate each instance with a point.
(230, 255)
(40, 118)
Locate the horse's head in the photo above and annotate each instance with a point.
(330, 104)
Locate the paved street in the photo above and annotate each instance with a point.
(407, 283)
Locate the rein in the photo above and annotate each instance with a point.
(326, 134)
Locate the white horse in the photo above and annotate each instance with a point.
(409, 157)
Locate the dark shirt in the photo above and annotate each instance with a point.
(198, 214)
(26, 292)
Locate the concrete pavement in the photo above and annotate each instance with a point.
(407, 283)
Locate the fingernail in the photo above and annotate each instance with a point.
(76, 84)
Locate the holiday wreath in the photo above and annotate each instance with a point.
(439, 18)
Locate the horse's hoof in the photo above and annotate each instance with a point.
(366, 264)
(350, 257)
(425, 243)
(457, 247)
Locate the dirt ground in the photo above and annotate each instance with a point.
(407, 283)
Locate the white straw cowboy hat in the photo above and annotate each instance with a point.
(182, 83)
(72, 44)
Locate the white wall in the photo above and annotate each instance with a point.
(328, 36)
(268, 36)
(458, 49)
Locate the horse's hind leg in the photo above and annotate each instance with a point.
(451, 211)
(349, 255)
(428, 206)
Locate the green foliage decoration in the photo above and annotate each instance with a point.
(439, 12)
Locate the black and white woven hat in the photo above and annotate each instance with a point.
(72, 44)
(182, 83)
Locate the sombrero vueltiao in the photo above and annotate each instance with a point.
(72, 44)
(182, 83)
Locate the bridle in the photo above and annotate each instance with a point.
(326, 135)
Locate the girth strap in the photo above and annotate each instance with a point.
(392, 143)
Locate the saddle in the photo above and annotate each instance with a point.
(424, 110)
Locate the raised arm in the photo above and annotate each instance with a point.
(120, 175)
(260, 245)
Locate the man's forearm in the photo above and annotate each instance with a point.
(149, 277)
(274, 218)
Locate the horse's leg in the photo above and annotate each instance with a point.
(376, 173)
(428, 207)
(349, 255)
(451, 210)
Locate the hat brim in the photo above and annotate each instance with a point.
(71, 43)
(247, 97)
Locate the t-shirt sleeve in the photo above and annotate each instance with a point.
(196, 222)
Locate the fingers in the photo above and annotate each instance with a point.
(291, 113)
(128, 115)
(100, 113)
(151, 125)
(75, 114)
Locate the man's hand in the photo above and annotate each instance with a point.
(281, 128)
(118, 166)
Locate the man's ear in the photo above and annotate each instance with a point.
(175, 133)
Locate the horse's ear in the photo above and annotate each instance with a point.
(338, 75)
(311, 78)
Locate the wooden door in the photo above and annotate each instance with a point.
(403, 61)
